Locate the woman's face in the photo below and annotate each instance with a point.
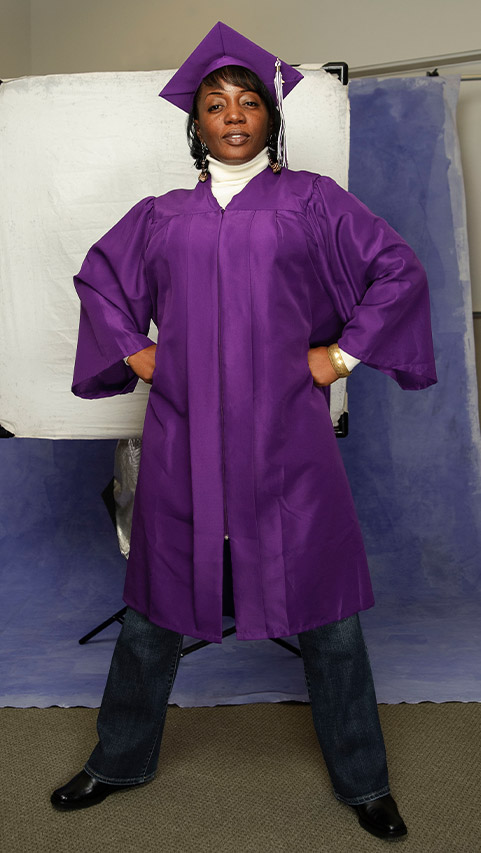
(234, 123)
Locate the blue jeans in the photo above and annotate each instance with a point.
(144, 664)
(344, 710)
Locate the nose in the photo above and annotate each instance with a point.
(234, 114)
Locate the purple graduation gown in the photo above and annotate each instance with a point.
(237, 439)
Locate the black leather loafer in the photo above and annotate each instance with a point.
(82, 791)
(381, 818)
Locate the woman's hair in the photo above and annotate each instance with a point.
(237, 75)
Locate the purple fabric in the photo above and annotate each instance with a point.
(224, 46)
(237, 438)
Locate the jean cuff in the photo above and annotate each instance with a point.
(366, 798)
(139, 780)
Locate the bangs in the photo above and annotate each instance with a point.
(237, 75)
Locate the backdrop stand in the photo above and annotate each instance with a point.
(119, 617)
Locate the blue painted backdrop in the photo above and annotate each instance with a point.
(413, 459)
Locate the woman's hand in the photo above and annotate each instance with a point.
(321, 368)
(143, 363)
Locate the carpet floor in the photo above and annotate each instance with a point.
(241, 779)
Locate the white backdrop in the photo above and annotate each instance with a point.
(77, 151)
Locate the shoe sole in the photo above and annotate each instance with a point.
(80, 804)
(396, 835)
(62, 806)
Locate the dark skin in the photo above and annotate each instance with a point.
(234, 124)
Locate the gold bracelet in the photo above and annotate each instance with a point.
(337, 361)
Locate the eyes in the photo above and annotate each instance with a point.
(214, 108)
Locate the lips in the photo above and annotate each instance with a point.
(236, 137)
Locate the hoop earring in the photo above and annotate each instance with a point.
(203, 164)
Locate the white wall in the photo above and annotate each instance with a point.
(99, 35)
(14, 38)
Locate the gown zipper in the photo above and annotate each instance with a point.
(226, 520)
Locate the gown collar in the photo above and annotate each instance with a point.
(247, 197)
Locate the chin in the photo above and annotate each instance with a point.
(237, 157)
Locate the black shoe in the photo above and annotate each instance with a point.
(83, 791)
(381, 818)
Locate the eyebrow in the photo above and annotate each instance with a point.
(223, 92)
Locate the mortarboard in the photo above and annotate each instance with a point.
(224, 46)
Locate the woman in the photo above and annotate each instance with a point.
(263, 283)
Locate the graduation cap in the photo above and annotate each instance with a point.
(224, 46)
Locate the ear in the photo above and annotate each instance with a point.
(199, 135)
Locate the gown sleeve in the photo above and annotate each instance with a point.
(116, 307)
(377, 286)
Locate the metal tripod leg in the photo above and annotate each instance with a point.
(117, 617)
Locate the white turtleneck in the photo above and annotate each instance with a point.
(228, 179)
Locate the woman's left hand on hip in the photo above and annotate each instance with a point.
(320, 366)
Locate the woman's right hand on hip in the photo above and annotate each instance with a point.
(143, 363)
